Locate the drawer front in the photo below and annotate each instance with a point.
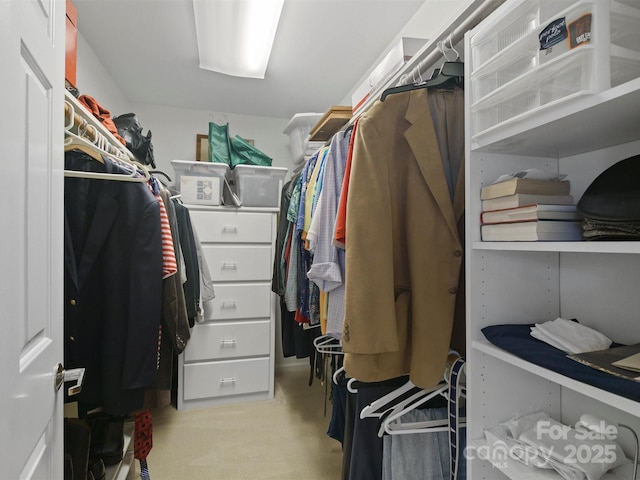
(241, 262)
(232, 227)
(219, 379)
(211, 341)
(235, 301)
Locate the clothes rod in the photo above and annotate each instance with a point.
(456, 35)
(472, 15)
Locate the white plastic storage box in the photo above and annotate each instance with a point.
(200, 182)
(560, 80)
(298, 130)
(590, 46)
(258, 186)
(505, 28)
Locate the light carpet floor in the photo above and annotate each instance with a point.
(283, 438)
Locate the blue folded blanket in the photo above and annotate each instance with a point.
(516, 339)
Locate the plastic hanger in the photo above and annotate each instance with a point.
(376, 408)
(450, 74)
(79, 142)
(390, 426)
(138, 173)
(328, 344)
(393, 427)
(98, 150)
(404, 88)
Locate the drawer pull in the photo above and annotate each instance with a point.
(231, 304)
(230, 342)
(227, 380)
(230, 229)
(229, 265)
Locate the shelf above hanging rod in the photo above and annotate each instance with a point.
(89, 138)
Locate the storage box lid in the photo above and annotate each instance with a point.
(302, 120)
(202, 168)
(259, 170)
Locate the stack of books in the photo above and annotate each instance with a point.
(522, 209)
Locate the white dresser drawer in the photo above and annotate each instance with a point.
(239, 300)
(242, 262)
(210, 341)
(232, 227)
(217, 379)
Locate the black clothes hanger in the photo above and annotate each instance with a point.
(449, 75)
(160, 172)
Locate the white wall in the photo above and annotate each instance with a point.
(94, 80)
(174, 130)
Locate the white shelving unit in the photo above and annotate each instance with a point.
(525, 282)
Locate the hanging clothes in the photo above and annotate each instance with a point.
(402, 210)
(328, 266)
(190, 255)
(175, 323)
(296, 341)
(113, 285)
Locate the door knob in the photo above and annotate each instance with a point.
(74, 375)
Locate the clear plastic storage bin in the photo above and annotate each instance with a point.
(600, 49)
(502, 32)
(200, 182)
(258, 186)
(564, 78)
(298, 130)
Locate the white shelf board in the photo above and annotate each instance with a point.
(575, 247)
(616, 401)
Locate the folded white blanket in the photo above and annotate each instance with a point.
(584, 457)
(536, 440)
(570, 336)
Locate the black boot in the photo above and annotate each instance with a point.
(107, 437)
(77, 437)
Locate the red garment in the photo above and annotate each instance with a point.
(142, 435)
(340, 235)
(101, 114)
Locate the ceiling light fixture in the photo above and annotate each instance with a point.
(235, 36)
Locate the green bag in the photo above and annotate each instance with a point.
(219, 144)
(242, 152)
(236, 151)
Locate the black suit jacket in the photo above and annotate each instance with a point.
(113, 285)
